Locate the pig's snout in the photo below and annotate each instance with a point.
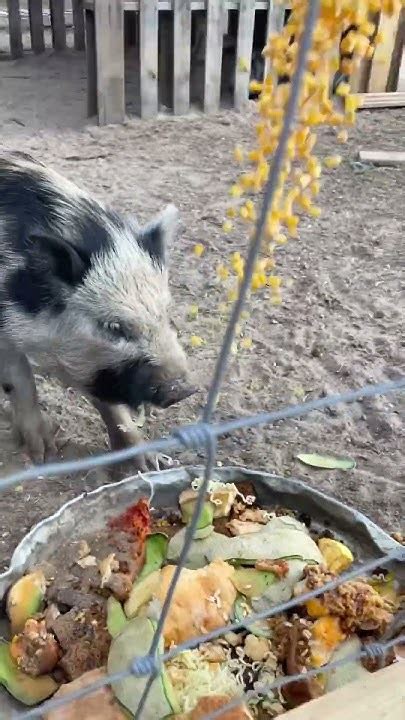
(172, 392)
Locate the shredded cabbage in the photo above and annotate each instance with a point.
(193, 677)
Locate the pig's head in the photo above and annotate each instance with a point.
(112, 335)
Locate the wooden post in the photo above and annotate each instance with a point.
(78, 24)
(165, 59)
(213, 56)
(109, 29)
(148, 57)
(92, 106)
(275, 24)
(397, 53)
(14, 28)
(380, 65)
(181, 56)
(246, 26)
(57, 8)
(36, 26)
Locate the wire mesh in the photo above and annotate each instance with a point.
(205, 434)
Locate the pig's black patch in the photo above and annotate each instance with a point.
(33, 291)
(128, 384)
(152, 239)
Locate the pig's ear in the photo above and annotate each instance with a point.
(157, 236)
(64, 260)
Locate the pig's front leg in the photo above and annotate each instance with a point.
(18, 383)
(123, 432)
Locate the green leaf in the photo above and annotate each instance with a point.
(326, 461)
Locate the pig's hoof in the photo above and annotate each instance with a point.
(35, 435)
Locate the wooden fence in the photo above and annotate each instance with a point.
(37, 12)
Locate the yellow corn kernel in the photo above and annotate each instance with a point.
(274, 282)
(315, 187)
(280, 239)
(192, 312)
(343, 136)
(198, 249)
(243, 65)
(196, 341)
(244, 212)
(222, 272)
(351, 103)
(292, 225)
(343, 89)
(227, 226)
(246, 343)
(231, 212)
(238, 154)
(255, 86)
(232, 295)
(314, 211)
(333, 161)
(236, 191)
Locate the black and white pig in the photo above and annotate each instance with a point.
(84, 296)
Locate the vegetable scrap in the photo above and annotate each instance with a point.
(72, 621)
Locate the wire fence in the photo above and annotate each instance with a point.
(205, 434)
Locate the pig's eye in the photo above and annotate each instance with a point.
(116, 329)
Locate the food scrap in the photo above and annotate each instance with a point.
(96, 605)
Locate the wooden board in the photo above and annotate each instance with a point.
(380, 696)
(382, 157)
(195, 4)
(148, 41)
(57, 8)
(91, 62)
(36, 26)
(182, 56)
(244, 45)
(14, 28)
(109, 29)
(213, 56)
(381, 100)
(78, 24)
(380, 65)
(397, 55)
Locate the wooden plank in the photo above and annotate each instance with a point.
(109, 29)
(213, 56)
(165, 59)
(90, 29)
(382, 157)
(381, 100)
(57, 8)
(148, 57)
(36, 26)
(14, 28)
(78, 25)
(379, 696)
(182, 56)
(380, 64)
(244, 46)
(275, 24)
(397, 55)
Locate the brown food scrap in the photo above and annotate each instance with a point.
(278, 567)
(99, 704)
(84, 639)
(359, 606)
(300, 691)
(281, 630)
(237, 527)
(207, 705)
(134, 521)
(399, 537)
(257, 515)
(212, 652)
(35, 650)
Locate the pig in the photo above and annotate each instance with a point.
(84, 296)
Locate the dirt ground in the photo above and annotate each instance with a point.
(341, 323)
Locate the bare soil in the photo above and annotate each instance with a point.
(341, 323)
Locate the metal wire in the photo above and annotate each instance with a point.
(205, 434)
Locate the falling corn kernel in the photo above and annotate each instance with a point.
(231, 212)
(333, 161)
(343, 89)
(274, 282)
(342, 136)
(255, 86)
(196, 341)
(238, 154)
(232, 295)
(192, 312)
(280, 239)
(222, 272)
(246, 343)
(236, 191)
(227, 226)
(198, 249)
(243, 65)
